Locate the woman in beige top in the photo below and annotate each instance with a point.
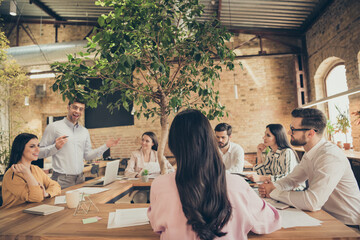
(146, 157)
(22, 181)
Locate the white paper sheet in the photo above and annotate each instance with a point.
(127, 217)
(91, 190)
(60, 200)
(276, 204)
(293, 217)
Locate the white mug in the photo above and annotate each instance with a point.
(72, 198)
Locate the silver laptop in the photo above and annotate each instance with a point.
(111, 173)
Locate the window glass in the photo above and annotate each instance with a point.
(336, 83)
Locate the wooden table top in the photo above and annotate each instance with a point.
(14, 224)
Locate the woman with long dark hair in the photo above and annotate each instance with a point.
(22, 181)
(145, 157)
(281, 159)
(200, 200)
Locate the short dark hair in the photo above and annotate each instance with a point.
(311, 118)
(78, 100)
(153, 137)
(224, 127)
(18, 146)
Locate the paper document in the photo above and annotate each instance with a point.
(276, 204)
(293, 217)
(128, 217)
(91, 190)
(60, 200)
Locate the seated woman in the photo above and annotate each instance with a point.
(145, 158)
(201, 200)
(281, 159)
(22, 181)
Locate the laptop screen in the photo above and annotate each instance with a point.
(111, 171)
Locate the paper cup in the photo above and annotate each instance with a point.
(72, 199)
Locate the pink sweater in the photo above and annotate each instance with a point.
(249, 211)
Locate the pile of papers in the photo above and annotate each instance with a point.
(127, 218)
(293, 217)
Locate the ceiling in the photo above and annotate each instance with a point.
(248, 16)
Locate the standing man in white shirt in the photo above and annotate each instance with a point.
(332, 185)
(232, 153)
(68, 143)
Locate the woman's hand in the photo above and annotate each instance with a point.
(261, 147)
(253, 177)
(139, 173)
(259, 178)
(20, 168)
(44, 191)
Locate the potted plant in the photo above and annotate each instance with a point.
(330, 130)
(145, 175)
(343, 125)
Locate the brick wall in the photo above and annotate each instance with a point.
(335, 37)
(266, 90)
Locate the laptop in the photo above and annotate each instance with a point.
(111, 173)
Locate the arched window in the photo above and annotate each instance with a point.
(336, 83)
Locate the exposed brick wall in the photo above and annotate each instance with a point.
(266, 90)
(336, 37)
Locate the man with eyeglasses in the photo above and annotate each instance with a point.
(68, 143)
(332, 185)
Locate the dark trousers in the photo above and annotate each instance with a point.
(67, 180)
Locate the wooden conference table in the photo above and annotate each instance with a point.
(14, 224)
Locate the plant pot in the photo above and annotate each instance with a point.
(145, 178)
(347, 146)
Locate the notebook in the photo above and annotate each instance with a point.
(111, 173)
(43, 209)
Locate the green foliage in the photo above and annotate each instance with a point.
(330, 129)
(145, 172)
(13, 87)
(4, 150)
(267, 150)
(152, 52)
(342, 121)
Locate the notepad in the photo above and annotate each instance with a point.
(43, 209)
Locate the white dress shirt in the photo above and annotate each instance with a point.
(233, 158)
(332, 185)
(69, 159)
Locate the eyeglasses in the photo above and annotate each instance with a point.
(76, 108)
(301, 129)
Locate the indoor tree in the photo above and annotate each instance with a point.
(158, 54)
(13, 86)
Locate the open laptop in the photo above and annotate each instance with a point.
(111, 173)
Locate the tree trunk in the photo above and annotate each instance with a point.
(164, 133)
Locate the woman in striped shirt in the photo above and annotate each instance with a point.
(281, 159)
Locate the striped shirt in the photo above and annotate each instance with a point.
(278, 164)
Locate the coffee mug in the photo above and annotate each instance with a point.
(72, 198)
